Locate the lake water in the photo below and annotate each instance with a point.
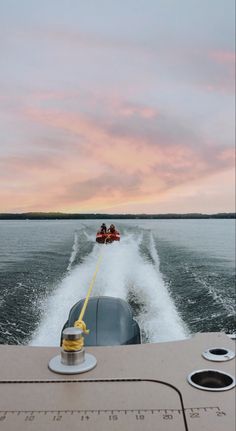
(178, 275)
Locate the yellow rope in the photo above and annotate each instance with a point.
(80, 319)
(81, 325)
(75, 345)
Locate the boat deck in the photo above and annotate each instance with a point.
(136, 387)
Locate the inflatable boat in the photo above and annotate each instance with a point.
(104, 238)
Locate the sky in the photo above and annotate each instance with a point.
(117, 106)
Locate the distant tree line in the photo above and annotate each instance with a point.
(64, 216)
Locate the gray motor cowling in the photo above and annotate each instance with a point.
(109, 320)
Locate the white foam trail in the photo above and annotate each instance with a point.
(153, 252)
(122, 269)
(75, 249)
(160, 321)
(56, 308)
(225, 302)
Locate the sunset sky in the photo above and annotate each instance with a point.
(117, 106)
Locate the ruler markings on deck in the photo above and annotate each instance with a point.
(114, 414)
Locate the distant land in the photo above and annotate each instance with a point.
(94, 216)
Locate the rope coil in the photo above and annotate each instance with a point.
(73, 345)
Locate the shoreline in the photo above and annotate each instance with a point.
(95, 216)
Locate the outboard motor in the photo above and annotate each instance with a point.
(109, 320)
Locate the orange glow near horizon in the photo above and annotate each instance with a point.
(100, 171)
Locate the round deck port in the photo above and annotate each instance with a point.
(218, 354)
(211, 380)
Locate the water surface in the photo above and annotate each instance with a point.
(178, 275)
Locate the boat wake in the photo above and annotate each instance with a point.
(129, 270)
(75, 249)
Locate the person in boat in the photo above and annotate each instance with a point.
(103, 228)
(112, 229)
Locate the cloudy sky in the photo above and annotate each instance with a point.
(117, 106)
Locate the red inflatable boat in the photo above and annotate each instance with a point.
(103, 238)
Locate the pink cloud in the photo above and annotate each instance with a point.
(224, 57)
(101, 169)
